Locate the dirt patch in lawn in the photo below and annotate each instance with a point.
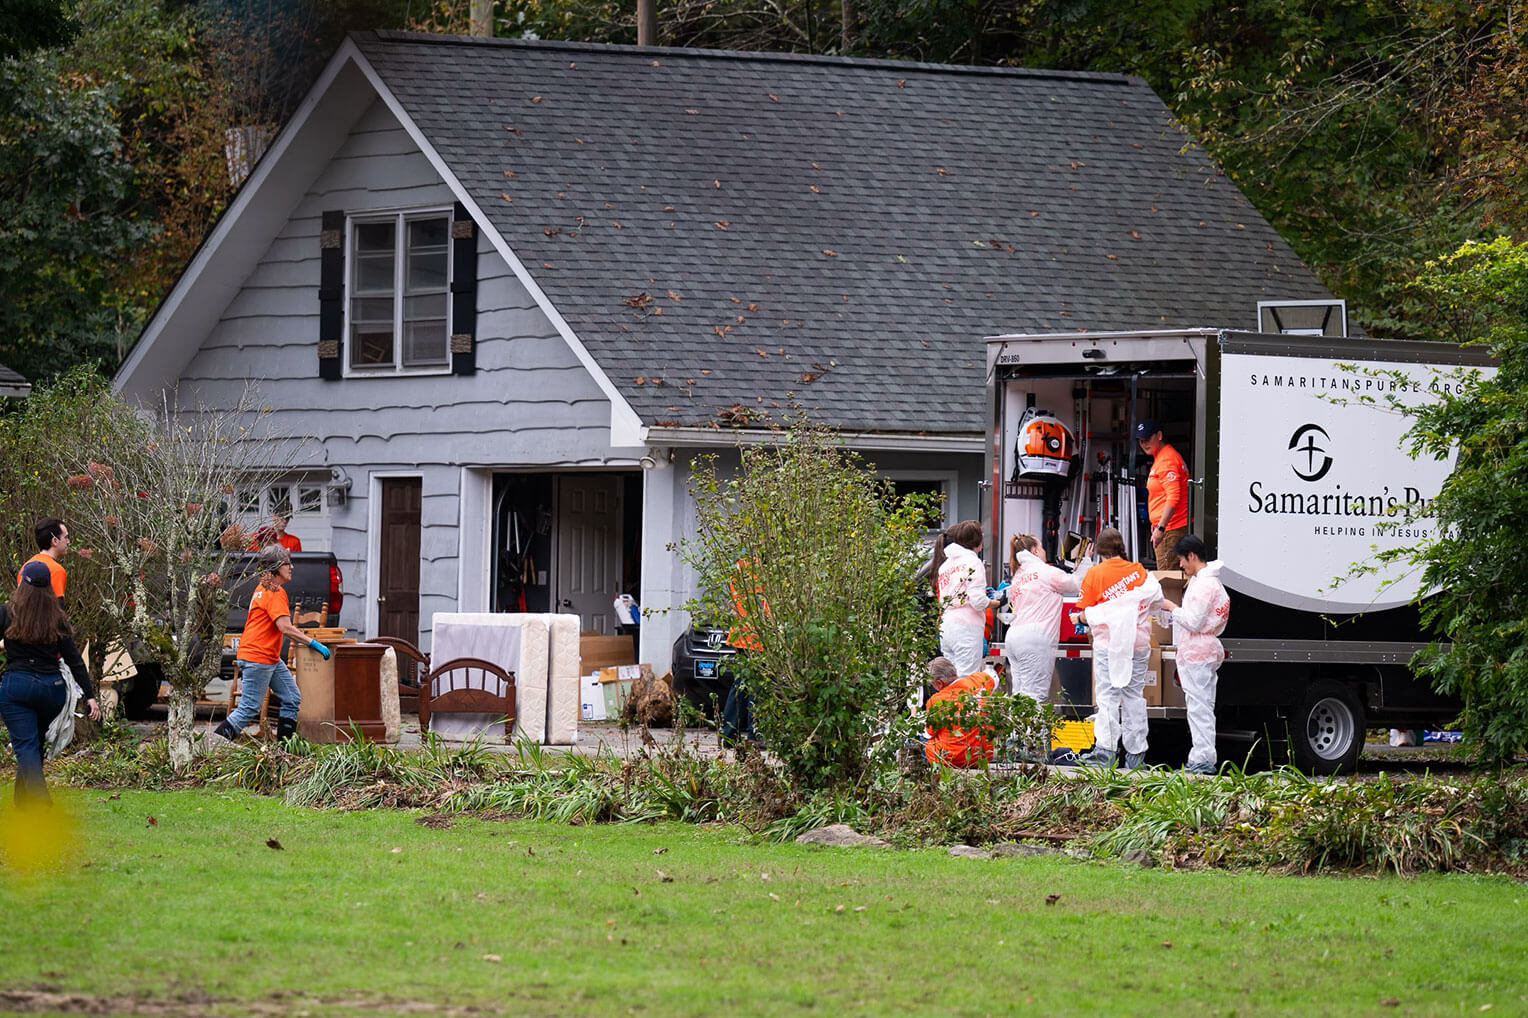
(190, 1004)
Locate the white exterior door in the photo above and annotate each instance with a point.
(588, 548)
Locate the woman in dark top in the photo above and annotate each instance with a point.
(36, 635)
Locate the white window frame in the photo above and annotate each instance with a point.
(400, 219)
(264, 492)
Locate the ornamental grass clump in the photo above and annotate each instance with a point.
(809, 558)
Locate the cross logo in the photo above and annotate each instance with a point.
(1314, 469)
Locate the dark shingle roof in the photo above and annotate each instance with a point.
(744, 226)
(10, 378)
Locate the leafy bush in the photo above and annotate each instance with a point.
(811, 559)
(1280, 821)
(1018, 729)
(1477, 567)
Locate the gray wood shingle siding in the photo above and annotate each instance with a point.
(529, 404)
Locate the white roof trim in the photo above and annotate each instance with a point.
(625, 424)
(863, 440)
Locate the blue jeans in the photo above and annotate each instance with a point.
(28, 703)
(254, 678)
(737, 714)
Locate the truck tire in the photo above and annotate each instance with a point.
(138, 697)
(1327, 733)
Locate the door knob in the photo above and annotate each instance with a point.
(382, 599)
(566, 603)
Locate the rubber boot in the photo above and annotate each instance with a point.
(1134, 760)
(226, 731)
(1097, 758)
(285, 728)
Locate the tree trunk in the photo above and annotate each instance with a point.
(181, 729)
(106, 692)
(480, 17)
(846, 29)
(647, 22)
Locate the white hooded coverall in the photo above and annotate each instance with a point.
(962, 588)
(1034, 623)
(1121, 651)
(1197, 623)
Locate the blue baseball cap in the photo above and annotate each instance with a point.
(1146, 428)
(36, 574)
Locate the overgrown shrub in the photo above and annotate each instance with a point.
(1476, 567)
(811, 559)
(146, 499)
(1280, 821)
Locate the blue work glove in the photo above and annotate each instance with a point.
(314, 645)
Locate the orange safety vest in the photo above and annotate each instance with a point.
(957, 747)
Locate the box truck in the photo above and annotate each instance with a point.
(1298, 474)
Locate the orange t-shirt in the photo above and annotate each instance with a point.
(55, 572)
(1167, 482)
(742, 635)
(955, 746)
(1108, 580)
(261, 640)
(287, 541)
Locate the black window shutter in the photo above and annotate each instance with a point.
(463, 292)
(331, 295)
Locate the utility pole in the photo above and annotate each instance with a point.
(647, 22)
(482, 18)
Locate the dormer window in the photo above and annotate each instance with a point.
(399, 295)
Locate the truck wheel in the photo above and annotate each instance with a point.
(1327, 734)
(140, 696)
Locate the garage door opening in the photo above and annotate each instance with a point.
(567, 542)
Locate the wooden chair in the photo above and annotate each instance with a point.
(412, 664)
(468, 685)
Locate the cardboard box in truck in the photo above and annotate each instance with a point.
(1297, 473)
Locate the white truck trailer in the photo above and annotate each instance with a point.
(1296, 472)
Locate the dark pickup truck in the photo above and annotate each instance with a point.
(315, 584)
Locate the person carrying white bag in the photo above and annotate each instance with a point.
(1035, 595)
(1197, 625)
(1117, 598)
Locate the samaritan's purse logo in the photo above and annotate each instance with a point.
(1306, 454)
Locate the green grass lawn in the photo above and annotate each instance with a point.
(371, 913)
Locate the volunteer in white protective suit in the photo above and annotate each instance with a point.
(1035, 595)
(1117, 598)
(960, 583)
(1197, 624)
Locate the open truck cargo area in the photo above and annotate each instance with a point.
(1298, 474)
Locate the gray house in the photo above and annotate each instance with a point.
(508, 290)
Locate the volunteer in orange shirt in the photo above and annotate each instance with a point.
(260, 664)
(1117, 596)
(737, 708)
(276, 533)
(956, 747)
(52, 542)
(1166, 493)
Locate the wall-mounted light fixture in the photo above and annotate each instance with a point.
(338, 488)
